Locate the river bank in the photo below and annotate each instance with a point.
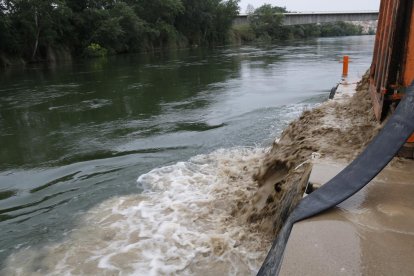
(337, 130)
(237, 36)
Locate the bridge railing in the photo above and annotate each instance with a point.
(317, 17)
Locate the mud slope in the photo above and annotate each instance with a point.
(338, 129)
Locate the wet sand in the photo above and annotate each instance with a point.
(338, 129)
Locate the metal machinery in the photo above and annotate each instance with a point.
(392, 69)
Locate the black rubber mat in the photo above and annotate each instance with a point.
(358, 174)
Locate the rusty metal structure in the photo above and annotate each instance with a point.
(392, 69)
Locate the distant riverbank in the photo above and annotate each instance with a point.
(32, 32)
(241, 34)
(238, 35)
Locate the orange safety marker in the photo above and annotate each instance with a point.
(411, 139)
(345, 66)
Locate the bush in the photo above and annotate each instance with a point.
(243, 33)
(267, 21)
(95, 50)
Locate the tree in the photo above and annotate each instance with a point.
(133, 27)
(160, 17)
(267, 21)
(250, 9)
(340, 29)
(158, 10)
(30, 28)
(225, 14)
(5, 36)
(207, 21)
(116, 28)
(38, 23)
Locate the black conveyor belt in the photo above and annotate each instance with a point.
(352, 179)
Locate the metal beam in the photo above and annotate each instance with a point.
(318, 17)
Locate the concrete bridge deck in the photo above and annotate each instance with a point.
(318, 17)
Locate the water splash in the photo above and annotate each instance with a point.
(182, 224)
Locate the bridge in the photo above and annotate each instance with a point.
(318, 17)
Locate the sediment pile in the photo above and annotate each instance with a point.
(338, 129)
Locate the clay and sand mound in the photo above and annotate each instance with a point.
(338, 130)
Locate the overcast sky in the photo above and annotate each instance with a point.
(315, 5)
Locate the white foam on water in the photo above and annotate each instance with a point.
(181, 225)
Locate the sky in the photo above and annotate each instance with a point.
(315, 5)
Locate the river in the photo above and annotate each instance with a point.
(74, 138)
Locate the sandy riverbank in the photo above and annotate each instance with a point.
(338, 129)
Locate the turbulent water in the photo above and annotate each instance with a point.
(134, 164)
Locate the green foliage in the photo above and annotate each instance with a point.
(159, 17)
(108, 33)
(133, 28)
(31, 28)
(242, 33)
(226, 12)
(371, 31)
(324, 30)
(207, 22)
(36, 24)
(158, 10)
(6, 39)
(267, 20)
(267, 25)
(340, 29)
(95, 50)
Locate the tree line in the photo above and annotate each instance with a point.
(30, 29)
(33, 30)
(266, 25)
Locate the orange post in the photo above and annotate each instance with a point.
(345, 66)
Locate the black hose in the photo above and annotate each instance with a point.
(333, 92)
